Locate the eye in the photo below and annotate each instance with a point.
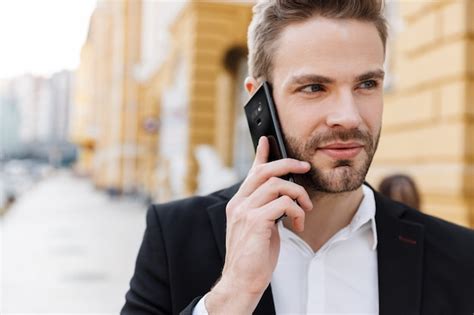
(312, 88)
(369, 84)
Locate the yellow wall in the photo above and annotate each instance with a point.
(130, 92)
(204, 32)
(468, 20)
(149, 110)
(427, 113)
(82, 125)
(113, 47)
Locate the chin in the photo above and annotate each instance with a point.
(343, 179)
(342, 176)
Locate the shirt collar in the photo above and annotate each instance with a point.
(365, 215)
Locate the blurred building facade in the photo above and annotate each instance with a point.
(9, 121)
(26, 92)
(158, 80)
(106, 96)
(428, 129)
(146, 92)
(35, 116)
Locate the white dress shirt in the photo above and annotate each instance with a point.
(340, 278)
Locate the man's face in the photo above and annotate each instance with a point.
(328, 88)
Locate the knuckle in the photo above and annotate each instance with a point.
(230, 205)
(240, 209)
(235, 209)
(256, 171)
(287, 201)
(300, 212)
(301, 190)
(234, 217)
(274, 181)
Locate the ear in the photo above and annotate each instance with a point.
(251, 85)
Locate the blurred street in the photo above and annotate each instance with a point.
(67, 248)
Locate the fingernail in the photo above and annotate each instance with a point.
(305, 164)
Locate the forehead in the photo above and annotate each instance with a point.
(337, 48)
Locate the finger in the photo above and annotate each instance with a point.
(263, 149)
(275, 187)
(284, 205)
(259, 174)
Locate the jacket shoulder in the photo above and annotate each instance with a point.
(437, 226)
(449, 240)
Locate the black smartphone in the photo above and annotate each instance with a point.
(262, 118)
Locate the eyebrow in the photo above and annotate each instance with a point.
(315, 78)
(377, 74)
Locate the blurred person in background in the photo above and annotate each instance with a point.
(402, 188)
(342, 247)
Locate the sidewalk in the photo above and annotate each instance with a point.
(66, 248)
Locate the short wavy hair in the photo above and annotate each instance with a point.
(270, 17)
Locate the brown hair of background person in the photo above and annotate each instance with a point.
(271, 17)
(402, 188)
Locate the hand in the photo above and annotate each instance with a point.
(253, 242)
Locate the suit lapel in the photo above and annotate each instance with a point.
(400, 259)
(217, 216)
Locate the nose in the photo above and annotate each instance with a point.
(344, 111)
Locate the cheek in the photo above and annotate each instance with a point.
(296, 123)
(371, 113)
(287, 118)
(298, 118)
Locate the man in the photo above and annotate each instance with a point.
(342, 248)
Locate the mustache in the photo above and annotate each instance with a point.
(340, 135)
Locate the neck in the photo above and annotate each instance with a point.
(331, 213)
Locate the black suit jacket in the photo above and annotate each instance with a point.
(425, 265)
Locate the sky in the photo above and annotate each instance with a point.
(42, 36)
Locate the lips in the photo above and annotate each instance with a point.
(341, 151)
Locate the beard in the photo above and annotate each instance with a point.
(343, 175)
